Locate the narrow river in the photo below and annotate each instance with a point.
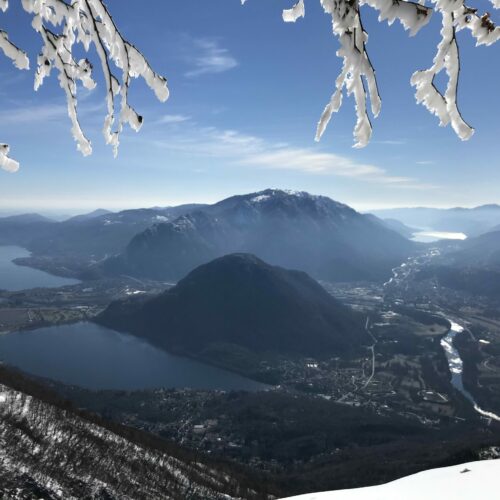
(456, 366)
(455, 363)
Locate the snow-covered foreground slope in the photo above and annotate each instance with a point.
(460, 482)
(51, 453)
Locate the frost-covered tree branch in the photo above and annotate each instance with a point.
(61, 25)
(64, 24)
(455, 16)
(5, 162)
(358, 77)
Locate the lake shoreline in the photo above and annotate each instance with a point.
(91, 356)
(52, 266)
(16, 277)
(433, 236)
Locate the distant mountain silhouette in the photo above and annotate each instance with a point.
(90, 215)
(21, 229)
(89, 236)
(471, 221)
(473, 266)
(483, 251)
(238, 305)
(400, 228)
(297, 230)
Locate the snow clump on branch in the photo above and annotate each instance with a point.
(61, 25)
(358, 77)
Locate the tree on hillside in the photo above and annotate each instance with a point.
(62, 24)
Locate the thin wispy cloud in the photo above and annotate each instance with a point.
(390, 142)
(248, 150)
(170, 119)
(425, 162)
(207, 56)
(31, 114)
(21, 115)
(10, 82)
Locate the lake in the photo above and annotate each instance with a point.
(14, 277)
(430, 236)
(96, 357)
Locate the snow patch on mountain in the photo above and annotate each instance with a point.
(160, 218)
(259, 198)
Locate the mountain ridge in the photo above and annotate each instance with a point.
(471, 221)
(52, 450)
(320, 236)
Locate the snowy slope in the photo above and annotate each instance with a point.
(51, 453)
(460, 482)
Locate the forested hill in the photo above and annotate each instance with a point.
(238, 302)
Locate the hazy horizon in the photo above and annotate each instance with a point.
(62, 210)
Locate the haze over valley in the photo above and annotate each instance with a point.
(270, 332)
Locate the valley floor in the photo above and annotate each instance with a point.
(327, 425)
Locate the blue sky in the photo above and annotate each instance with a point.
(246, 93)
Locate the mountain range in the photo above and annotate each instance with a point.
(22, 229)
(470, 221)
(101, 235)
(297, 230)
(236, 309)
(90, 236)
(482, 251)
(399, 227)
(472, 266)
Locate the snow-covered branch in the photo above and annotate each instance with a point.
(7, 163)
(18, 57)
(456, 16)
(443, 106)
(357, 70)
(358, 77)
(61, 25)
(297, 11)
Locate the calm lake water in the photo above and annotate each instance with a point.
(432, 236)
(95, 357)
(13, 277)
